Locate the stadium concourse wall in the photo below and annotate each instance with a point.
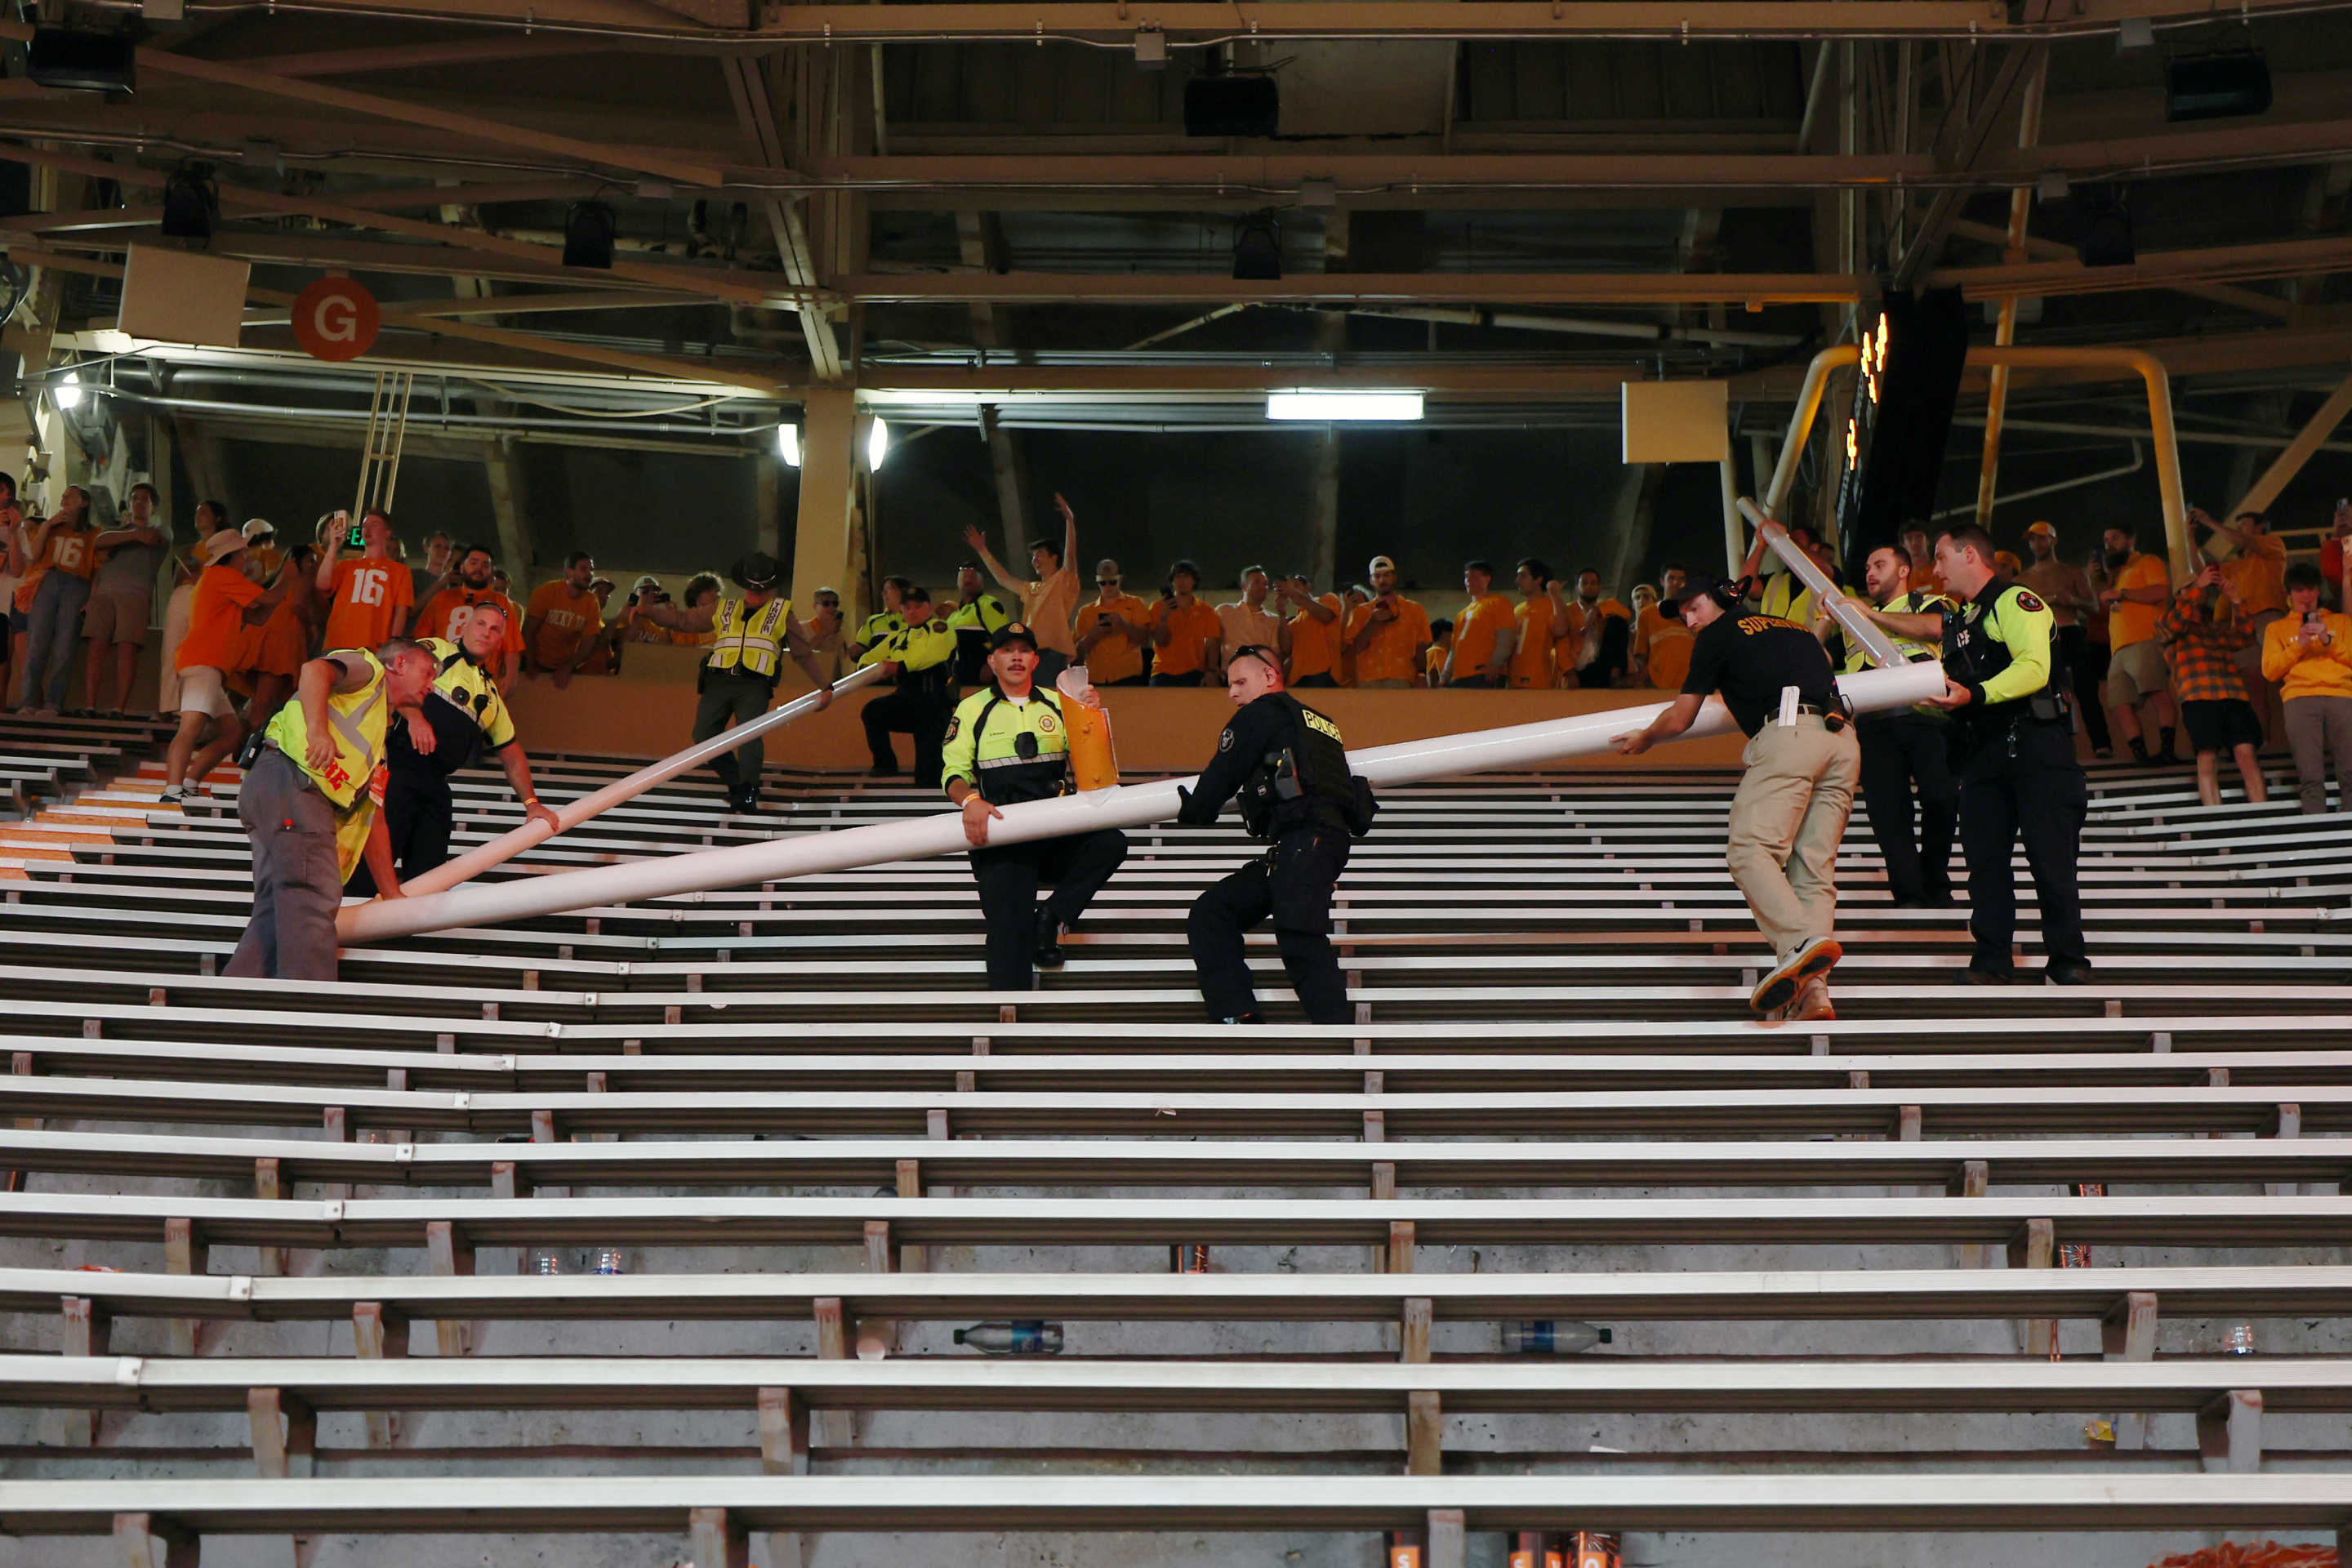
(647, 710)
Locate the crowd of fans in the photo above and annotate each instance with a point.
(2243, 654)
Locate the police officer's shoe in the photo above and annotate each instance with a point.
(1239, 1018)
(2070, 974)
(1811, 961)
(1974, 977)
(1048, 953)
(745, 799)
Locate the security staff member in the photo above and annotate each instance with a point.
(739, 678)
(308, 805)
(2006, 688)
(892, 616)
(1900, 749)
(1290, 767)
(462, 714)
(977, 619)
(1791, 809)
(1006, 744)
(921, 654)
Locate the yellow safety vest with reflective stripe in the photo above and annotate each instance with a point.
(356, 720)
(749, 638)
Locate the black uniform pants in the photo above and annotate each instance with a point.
(909, 713)
(1294, 885)
(2087, 666)
(1899, 751)
(1077, 866)
(742, 698)
(418, 812)
(2025, 785)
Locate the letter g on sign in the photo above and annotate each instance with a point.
(335, 320)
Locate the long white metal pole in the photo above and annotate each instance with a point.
(571, 813)
(1131, 806)
(1859, 626)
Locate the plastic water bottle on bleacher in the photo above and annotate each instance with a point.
(547, 1263)
(1544, 1337)
(608, 1260)
(1023, 1336)
(2238, 1339)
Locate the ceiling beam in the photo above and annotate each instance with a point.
(2220, 293)
(419, 57)
(698, 280)
(218, 73)
(398, 320)
(1191, 22)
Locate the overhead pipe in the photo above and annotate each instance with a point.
(2140, 461)
(1578, 326)
(1129, 805)
(571, 813)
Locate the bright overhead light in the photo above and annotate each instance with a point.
(877, 442)
(1396, 407)
(788, 445)
(67, 393)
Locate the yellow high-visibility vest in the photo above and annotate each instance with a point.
(355, 719)
(750, 639)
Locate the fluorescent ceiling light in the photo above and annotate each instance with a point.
(877, 442)
(1395, 406)
(788, 444)
(67, 393)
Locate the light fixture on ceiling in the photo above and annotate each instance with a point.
(1257, 248)
(588, 234)
(191, 202)
(67, 393)
(79, 60)
(1389, 407)
(877, 442)
(788, 444)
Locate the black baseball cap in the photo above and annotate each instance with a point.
(1012, 632)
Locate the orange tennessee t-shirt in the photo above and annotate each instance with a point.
(1475, 632)
(217, 618)
(70, 551)
(1389, 656)
(2128, 623)
(2258, 572)
(446, 613)
(572, 616)
(1532, 660)
(1188, 631)
(1115, 656)
(367, 593)
(1315, 645)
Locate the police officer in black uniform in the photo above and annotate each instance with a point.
(460, 717)
(2020, 778)
(921, 651)
(1008, 743)
(1290, 767)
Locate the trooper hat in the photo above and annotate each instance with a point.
(758, 570)
(1012, 632)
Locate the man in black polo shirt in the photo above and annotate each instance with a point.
(1791, 809)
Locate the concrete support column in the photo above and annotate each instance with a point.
(830, 434)
(1011, 476)
(768, 505)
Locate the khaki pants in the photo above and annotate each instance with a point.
(1786, 820)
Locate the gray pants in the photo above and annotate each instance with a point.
(2318, 728)
(741, 697)
(55, 625)
(295, 885)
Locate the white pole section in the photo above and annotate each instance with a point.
(1132, 805)
(571, 813)
(1859, 626)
